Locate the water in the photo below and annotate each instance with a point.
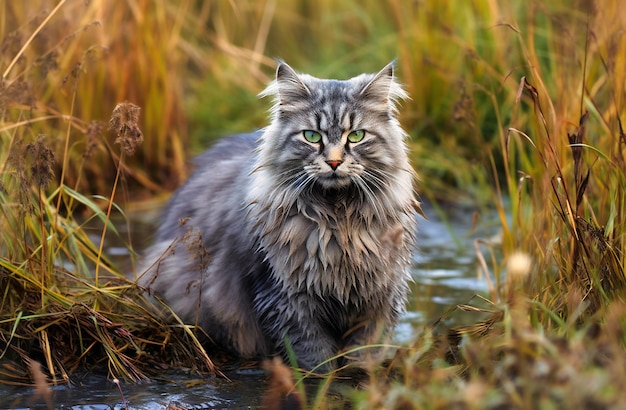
(445, 274)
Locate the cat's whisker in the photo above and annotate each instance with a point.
(299, 181)
(257, 169)
(294, 178)
(383, 175)
(369, 195)
(377, 181)
(383, 182)
(381, 186)
(301, 187)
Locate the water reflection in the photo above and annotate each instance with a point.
(445, 273)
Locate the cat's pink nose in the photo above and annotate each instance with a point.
(334, 164)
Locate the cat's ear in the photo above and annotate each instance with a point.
(383, 87)
(289, 85)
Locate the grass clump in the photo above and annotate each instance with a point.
(54, 310)
(63, 304)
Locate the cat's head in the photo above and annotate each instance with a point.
(333, 134)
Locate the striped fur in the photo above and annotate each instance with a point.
(298, 251)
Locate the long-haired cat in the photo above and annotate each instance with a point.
(305, 228)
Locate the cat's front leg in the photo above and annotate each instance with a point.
(362, 344)
(295, 326)
(312, 347)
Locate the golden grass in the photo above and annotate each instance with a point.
(53, 309)
(69, 64)
(63, 304)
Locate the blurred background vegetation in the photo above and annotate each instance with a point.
(516, 106)
(195, 68)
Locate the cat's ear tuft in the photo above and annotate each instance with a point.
(287, 88)
(383, 87)
(289, 85)
(387, 70)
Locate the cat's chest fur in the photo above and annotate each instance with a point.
(328, 245)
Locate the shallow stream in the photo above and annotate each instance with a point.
(445, 275)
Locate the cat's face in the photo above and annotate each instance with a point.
(334, 134)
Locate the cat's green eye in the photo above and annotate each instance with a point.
(356, 136)
(312, 136)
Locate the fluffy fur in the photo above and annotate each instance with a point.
(309, 241)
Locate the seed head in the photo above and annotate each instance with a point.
(519, 265)
(123, 123)
(42, 163)
(94, 131)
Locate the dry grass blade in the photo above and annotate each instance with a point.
(30, 39)
(281, 392)
(581, 178)
(42, 388)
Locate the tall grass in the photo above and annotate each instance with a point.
(63, 303)
(565, 156)
(557, 333)
(516, 107)
(100, 55)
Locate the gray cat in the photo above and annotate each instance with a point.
(298, 235)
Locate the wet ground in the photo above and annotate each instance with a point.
(445, 274)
